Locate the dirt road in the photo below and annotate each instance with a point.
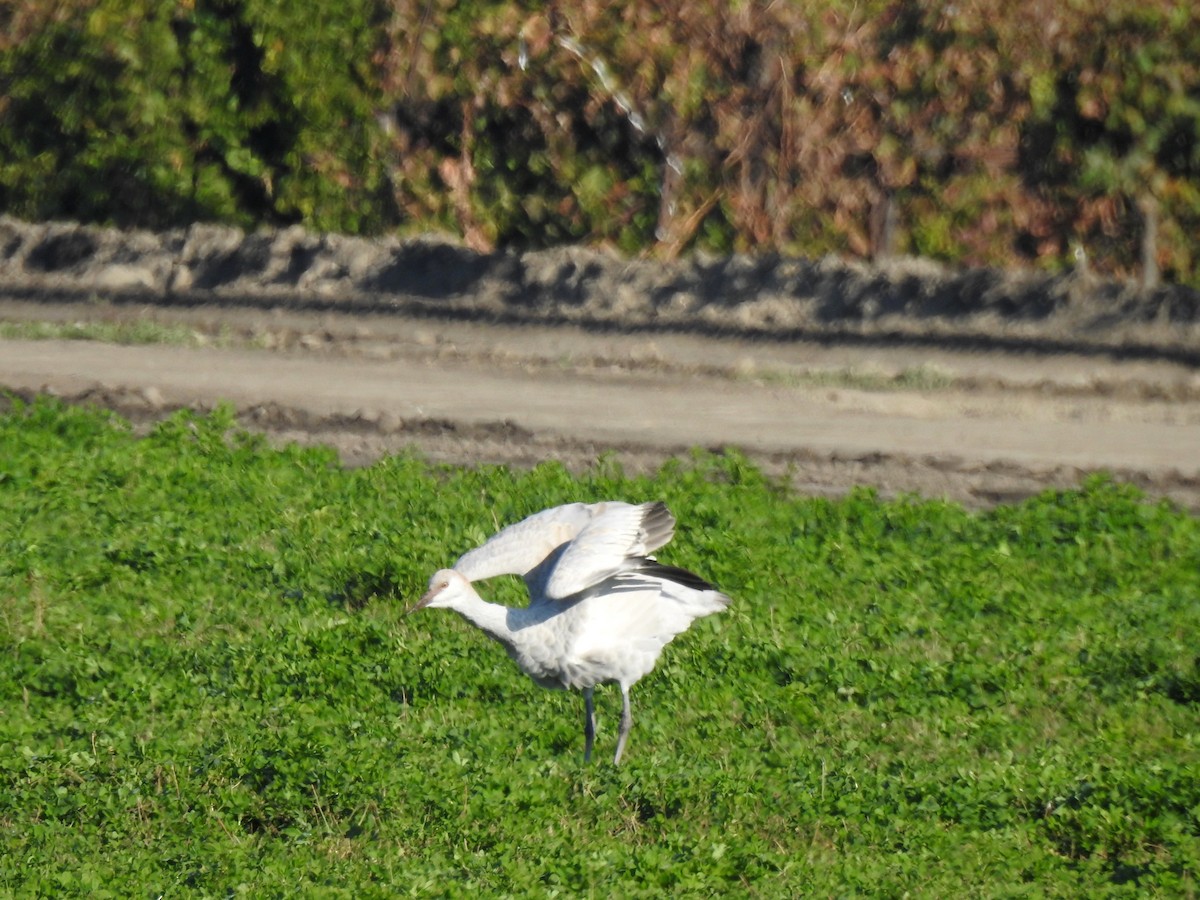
(974, 386)
(974, 427)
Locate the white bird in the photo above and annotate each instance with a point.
(601, 608)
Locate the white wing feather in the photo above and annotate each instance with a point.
(633, 622)
(604, 546)
(576, 546)
(521, 547)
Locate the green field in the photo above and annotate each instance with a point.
(207, 687)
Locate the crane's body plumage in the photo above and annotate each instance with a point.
(601, 608)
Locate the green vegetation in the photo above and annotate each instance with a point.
(206, 685)
(158, 114)
(987, 133)
(139, 331)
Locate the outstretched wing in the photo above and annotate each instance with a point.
(616, 540)
(521, 547)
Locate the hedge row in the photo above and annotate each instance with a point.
(977, 132)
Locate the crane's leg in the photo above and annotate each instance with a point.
(589, 724)
(626, 724)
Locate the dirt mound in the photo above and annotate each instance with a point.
(900, 301)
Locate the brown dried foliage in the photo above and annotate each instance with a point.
(978, 132)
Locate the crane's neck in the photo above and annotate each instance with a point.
(490, 618)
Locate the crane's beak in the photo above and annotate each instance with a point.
(420, 604)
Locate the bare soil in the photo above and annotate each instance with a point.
(905, 377)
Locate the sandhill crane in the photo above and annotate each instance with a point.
(601, 608)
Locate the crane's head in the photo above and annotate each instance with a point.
(446, 587)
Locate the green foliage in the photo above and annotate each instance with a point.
(138, 331)
(157, 114)
(206, 685)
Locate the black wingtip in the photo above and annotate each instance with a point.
(673, 573)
